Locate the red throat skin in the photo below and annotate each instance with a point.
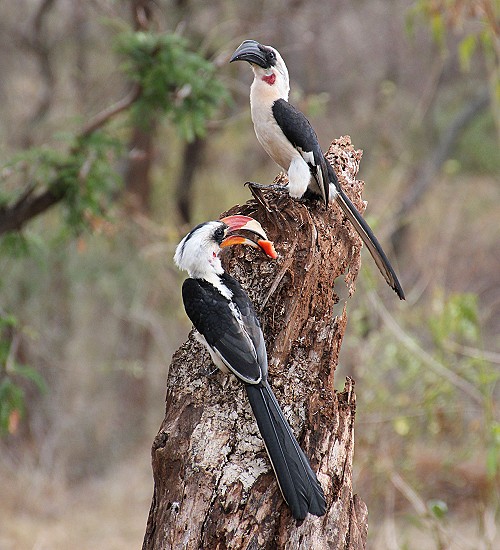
(270, 79)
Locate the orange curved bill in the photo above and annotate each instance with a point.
(236, 239)
(265, 245)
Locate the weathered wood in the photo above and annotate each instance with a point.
(214, 487)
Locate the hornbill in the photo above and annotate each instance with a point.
(227, 325)
(290, 140)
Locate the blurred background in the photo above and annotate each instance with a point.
(123, 125)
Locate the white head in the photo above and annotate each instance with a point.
(198, 252)
(268, 67)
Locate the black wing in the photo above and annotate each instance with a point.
(250, 319)
(220, 322)
(299, 132)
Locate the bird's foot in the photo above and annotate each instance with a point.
(270, 187)
(270, 213)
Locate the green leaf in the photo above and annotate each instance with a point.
(11, 399)
(492, 461)
(456, 318)
(401, 426)
(438, 29)
(7, 320)
(31, 374)
(466, 50)
(174, 81)
(493, 452)
(438, 508)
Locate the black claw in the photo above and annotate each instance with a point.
(270, 187)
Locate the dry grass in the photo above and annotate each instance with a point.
(108, 512)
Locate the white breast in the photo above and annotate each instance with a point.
(267, 130)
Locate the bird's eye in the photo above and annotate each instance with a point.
(271, 55)
(219, 234)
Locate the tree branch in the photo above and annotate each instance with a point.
(16, 216)
(107, 114)
(37, 43)
(428, 171)
(28, 206)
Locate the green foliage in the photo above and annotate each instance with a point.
(84, 176)
(438, 508)
(493, 451)
(13, 377)
(437, 27)
(174, 81)
(466, 50)
(477, 149)
(425, 408)
(475, 24)
(443, 16)
(90, 179)
(15, 245)
(455, 318)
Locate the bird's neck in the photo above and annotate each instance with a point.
(215, 279)
(203, 266)
(266, 91)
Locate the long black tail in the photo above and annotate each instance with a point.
(298, 483)
(366, 234)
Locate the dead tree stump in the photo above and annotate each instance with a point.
(214, 487)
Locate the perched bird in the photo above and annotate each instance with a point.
(290, 140)
(227, 325)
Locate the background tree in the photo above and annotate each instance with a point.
(93, 307)
(168, 80)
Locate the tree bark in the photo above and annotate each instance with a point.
(191, 160)
(138, 184)
(214, 487)
(36, 41)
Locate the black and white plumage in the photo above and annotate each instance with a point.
(227, 325)
(289, 139)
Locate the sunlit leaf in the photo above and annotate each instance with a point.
(466, 50)
(438, 508)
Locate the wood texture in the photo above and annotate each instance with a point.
(213, 484)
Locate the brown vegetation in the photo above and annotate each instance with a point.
(100, 317)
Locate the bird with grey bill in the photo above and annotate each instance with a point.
(289, 139)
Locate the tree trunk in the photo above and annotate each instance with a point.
(214, 487)
(191, 160)
(138, 184)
